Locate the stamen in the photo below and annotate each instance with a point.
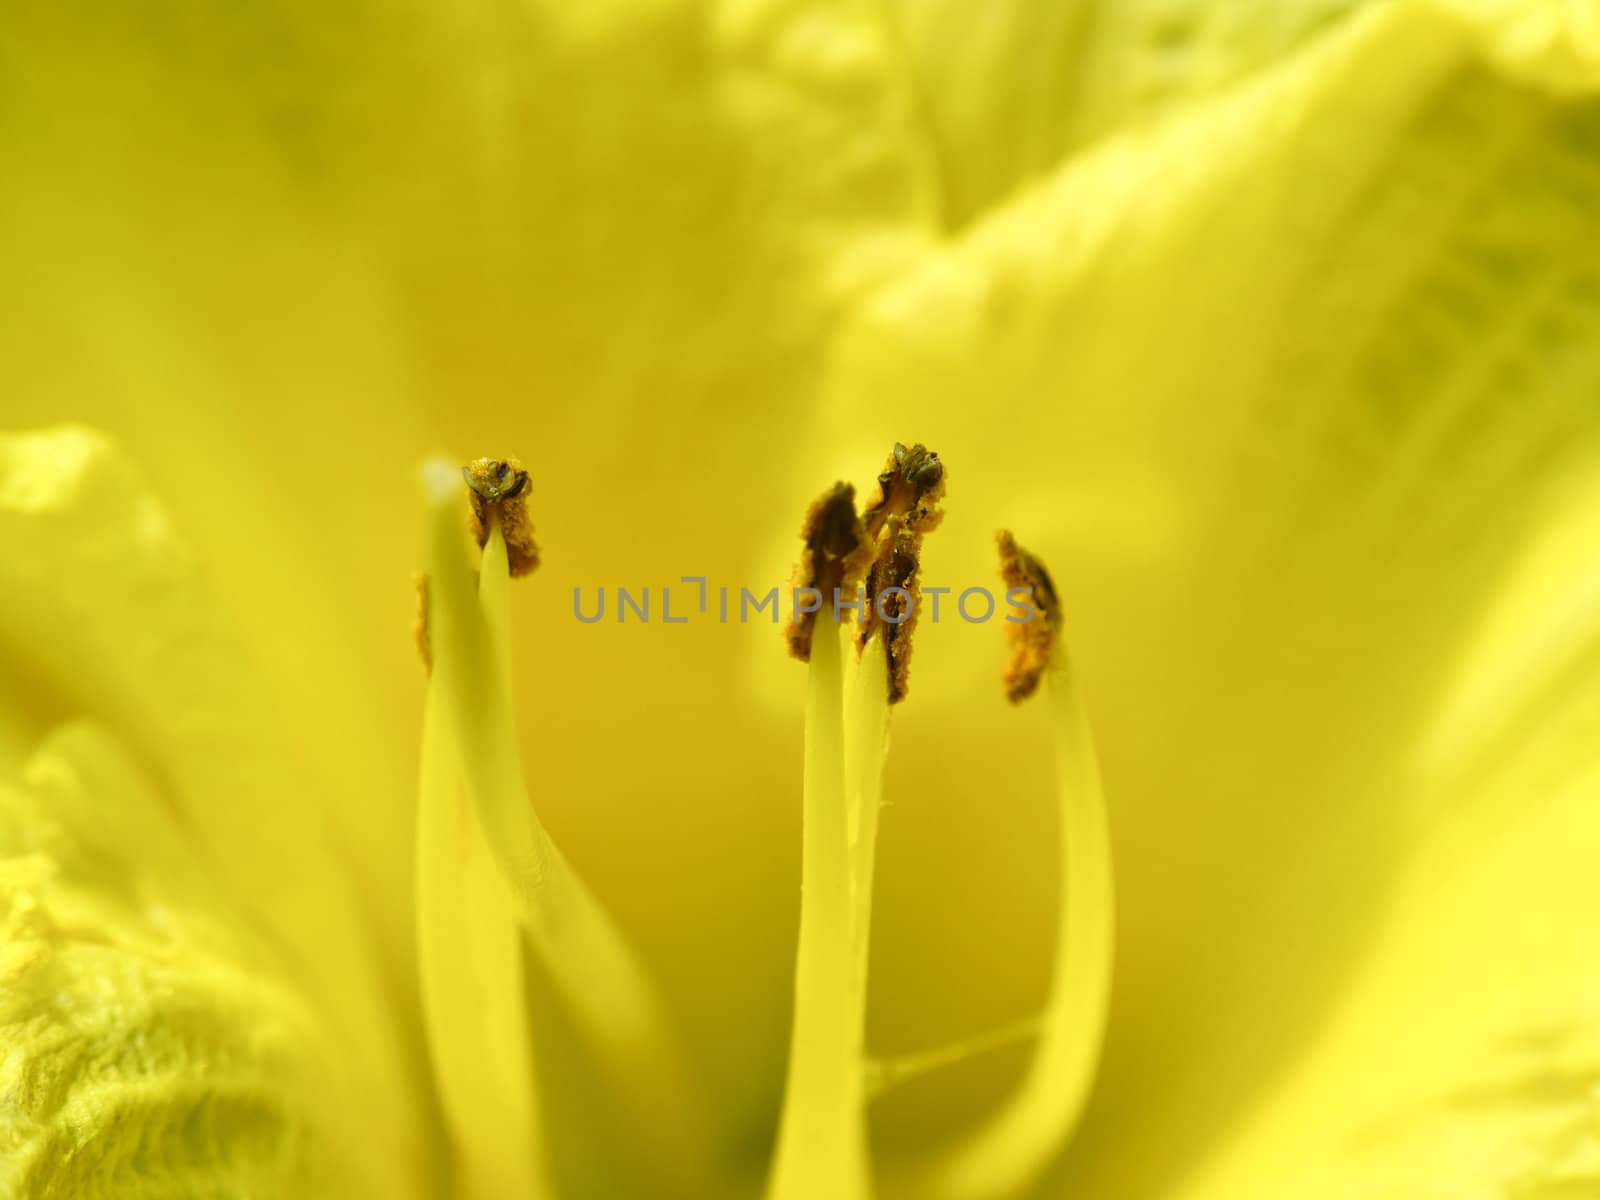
(836, 553)
(867, 710)
(497, 487)
(911, 486)
(604, 990)
(469, 951)
(904, 508)
(1032, 639)
(822, 1148)
(822, 1138)
(1010, 1149)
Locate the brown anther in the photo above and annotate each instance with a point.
(420, 628)
(1032, 640)
(911, 486)
(836, 552)
(905, 507)
(497, 488)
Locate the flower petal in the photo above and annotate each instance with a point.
(105, 615)
(1472, 1018)
(1012, 88)
(148, 1049)
(1288, 380)
(1545, 43)
(1463, 1060)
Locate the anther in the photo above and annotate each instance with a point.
(1032, 638)
(497, 489)
(910, 487)
(905, 507)
(836, 553)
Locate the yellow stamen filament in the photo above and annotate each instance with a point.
(867, 742)
(1009, 1150)
(605, 992)
(822, 1148)
(886, 1073)
(469, 944)
(822, 1139)
(866, 747)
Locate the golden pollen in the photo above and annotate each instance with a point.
(1032, 640)
(904, 508)
(836, 552)
(497, 489)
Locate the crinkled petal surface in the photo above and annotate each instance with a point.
(105, 618)
(150, 1047)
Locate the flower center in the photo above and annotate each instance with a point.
(822, 1145)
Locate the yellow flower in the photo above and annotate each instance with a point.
(1271, 328)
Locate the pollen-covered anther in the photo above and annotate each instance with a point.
(836, 553)
(497, 490)
(910, 487)
(1033, 637)
(905, 506)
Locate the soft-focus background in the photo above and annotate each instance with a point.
(1271, 327)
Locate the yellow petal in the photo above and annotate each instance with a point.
(1463, 1061)
(1008, 90)
(149, 1048)
(105, 615)
(1545, 43)
(1286, 380)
